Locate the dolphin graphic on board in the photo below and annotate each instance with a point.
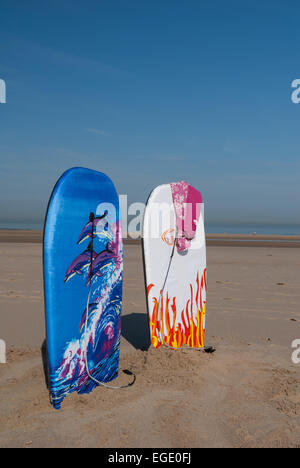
(102, 260)
(80, 263)
(100, 227)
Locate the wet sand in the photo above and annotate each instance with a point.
(233, 240)
(246, 394)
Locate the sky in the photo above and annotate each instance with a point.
(152, 92)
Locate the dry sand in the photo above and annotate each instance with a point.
(247, 394)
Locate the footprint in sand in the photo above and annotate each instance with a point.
(17, 295)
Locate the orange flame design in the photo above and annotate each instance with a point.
(188, 333)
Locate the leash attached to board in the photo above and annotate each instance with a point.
(125, 371)
(206, 349)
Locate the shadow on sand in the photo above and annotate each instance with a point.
(135, 329)
(45, 362)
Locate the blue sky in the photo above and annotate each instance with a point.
(152, 92)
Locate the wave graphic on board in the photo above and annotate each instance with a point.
(102, 338)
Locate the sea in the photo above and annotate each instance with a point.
(210, 228)
(240, 228)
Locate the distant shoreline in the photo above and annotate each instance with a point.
(233, 240)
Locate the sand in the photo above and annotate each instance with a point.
(246, 394)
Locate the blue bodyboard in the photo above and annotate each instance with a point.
(83, 274)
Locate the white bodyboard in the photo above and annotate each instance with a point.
(177, 309)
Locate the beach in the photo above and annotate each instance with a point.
(246, 394)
